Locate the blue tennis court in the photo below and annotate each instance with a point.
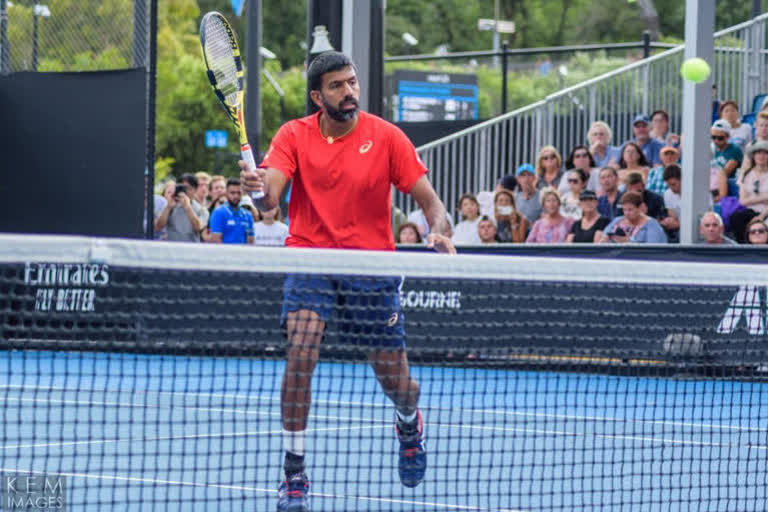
(138, 432)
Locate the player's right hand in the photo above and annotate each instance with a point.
(251, 181)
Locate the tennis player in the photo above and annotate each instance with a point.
(343, 163)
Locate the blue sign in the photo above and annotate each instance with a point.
(237, 6)
(215, 138)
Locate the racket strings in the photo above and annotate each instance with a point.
(221, 60)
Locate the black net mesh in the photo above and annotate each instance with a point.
(149, 377)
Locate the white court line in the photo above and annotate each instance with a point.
(603, 419)
(492, 428)
(190, 436)
(154, 481)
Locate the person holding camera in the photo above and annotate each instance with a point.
(634, 226)
(183, 216)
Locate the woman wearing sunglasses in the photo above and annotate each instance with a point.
(548, 168)
(753, 191)
(757, 232)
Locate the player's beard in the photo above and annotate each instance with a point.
(337, 114)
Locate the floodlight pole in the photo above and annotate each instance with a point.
(757, 8)
(697, 117)
(253, 77)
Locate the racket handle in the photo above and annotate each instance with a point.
(247, 155)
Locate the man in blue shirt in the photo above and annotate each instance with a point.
(650, 146)
(609, 204)
(231, 224)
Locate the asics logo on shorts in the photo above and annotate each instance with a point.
(392, 320)
(365, 147)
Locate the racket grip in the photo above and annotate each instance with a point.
(247, 155)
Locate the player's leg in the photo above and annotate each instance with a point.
(307, 304)
(372, 316)
(304, 329)
(393, 373)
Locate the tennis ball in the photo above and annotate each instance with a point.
(695, 70)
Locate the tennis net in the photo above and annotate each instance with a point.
(147, 376)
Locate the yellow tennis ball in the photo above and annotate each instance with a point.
(695, 70)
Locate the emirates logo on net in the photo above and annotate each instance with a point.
(365, 147)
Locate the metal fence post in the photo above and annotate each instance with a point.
(504, 48)
(646, 44)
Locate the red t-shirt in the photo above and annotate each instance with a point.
(341, 192)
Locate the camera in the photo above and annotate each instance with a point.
(180, 188)
(618, 232)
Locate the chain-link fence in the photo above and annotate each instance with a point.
(73, 35)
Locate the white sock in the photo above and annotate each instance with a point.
(407, 419)
(294, 441)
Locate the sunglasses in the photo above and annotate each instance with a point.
(758, 231)
(548, 157)
(573, 180)
(581, 155)
(718, 137)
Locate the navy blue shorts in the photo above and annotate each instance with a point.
(367, 309)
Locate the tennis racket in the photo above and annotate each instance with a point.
(225, 72)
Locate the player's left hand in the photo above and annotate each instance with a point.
(440, 243)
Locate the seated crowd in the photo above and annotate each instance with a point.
(622, 194)
(213, 209)
(601, 193)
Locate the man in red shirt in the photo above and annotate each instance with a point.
(342, 155)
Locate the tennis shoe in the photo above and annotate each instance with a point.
(292, 494)
(412, 456)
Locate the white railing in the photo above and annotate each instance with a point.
(475, 159)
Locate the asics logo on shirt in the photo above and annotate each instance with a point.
(365, 147)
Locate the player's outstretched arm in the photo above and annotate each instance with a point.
(270, 181)
(434, 211)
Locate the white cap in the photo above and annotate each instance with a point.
(722, 125)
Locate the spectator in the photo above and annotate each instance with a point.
(486, 230)
(599, 137)
(648, 146)
(508, 182)
(589, 229)
(184, 217)
(761, 127)
(246, 203)
(270, 230)
(218, 187)
(549, 168)
(753, 191)
(653, 204)
(577, 181)
(761, 133)
(160, 202)
(632, 160)
(408, 233)
(580, 158)
(757, 232)
(527, 195)
(711, 228)
(671, 223)
(609, 204)
(727, 157)
(660, 129)
(466, 230)
(551, 228)
(670, 155)
(511, 226)
(740, 133)
(201, 194)
(206, 234)
(417, 217)
(634, 226)
(231, 224)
